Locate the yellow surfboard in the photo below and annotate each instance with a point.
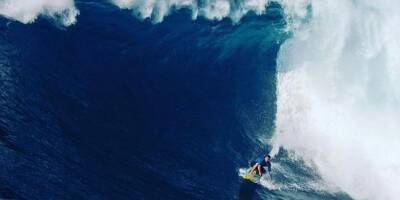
(252, 177)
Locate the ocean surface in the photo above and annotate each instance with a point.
(171, 99)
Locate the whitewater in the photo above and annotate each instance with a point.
(338, 94)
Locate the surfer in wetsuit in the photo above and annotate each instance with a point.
(260, 164)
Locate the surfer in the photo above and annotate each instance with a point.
(260, 164)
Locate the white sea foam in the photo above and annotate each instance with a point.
(289, 184)
(156, 10)
(27, 11)
(338, 103)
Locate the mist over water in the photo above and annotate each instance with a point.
(338, 96)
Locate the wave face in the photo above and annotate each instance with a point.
(62, 11)
(338, 97)
(120, 108)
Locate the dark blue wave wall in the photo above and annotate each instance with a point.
(116, 108)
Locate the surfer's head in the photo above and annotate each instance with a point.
(267, 157)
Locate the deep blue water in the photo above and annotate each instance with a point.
(120, 108)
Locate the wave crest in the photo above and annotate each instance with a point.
(62, 11)
(156, 10)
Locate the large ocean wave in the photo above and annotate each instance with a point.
(338, 99)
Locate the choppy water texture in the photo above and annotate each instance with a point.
(128, 99)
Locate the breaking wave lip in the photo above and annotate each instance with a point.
(156, 10)
(63, 12)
